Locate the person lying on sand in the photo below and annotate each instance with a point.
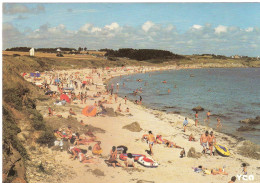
(129, 160)
(68, 132)
(97, 149)
(71, 112)
(50, 111)
(172, 144)
(219, 171)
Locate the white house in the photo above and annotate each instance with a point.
(31, 52)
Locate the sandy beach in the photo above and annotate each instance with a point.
(171, 167)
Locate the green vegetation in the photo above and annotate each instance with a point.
(47, 50)
(142, 54)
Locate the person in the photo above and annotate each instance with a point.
(196, 118)
(125, 99)
(211, 141)
(185, 123)
(141, 99)
(204, 140)
(219, 125)
(207, 118)
(145, 138)
(97, 149)
(75, 151)
(182, 153)
(244, 169)
(50, 111)
(127, 110)
(191, 138)
(219, 171)
(81, 122)
(113, 157)
(72, 112)
(172, 144)
(129, 160)
(151, 140)
(119, 108)
(169, 91)
(69, 132)
(233, 179)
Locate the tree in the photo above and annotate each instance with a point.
(85, 49)
(79, 49)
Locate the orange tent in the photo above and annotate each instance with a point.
(89, 111)
(65, 97)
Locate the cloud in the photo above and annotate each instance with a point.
(112, 26)
(249, 29)
(14, 8)
(147, 26)
(220, 29)
(196, 26)
(198, 39)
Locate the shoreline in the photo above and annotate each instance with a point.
(237, 137)
(168, 125)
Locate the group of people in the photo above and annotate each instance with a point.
(75, 140)
(151, 140)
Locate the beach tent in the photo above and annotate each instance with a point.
(65, 97)
(89, 111)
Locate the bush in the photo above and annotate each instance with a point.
(37, 121)
(47, 137)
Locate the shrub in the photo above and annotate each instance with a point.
(47, 137)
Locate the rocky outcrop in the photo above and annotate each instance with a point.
(193, 154)
(251, 121)
(13, 165)
(133, 127)
(198, 108)
(246, 128)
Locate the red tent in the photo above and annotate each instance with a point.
(65, 97)
(84, 82)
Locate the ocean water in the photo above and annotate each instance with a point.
(232, 94)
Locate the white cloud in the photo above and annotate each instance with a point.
(112, 26)
(249, 29)
(13, 8)
(220, 29)
(147, 25)
(150, 35)
(196, 26)
(86, 27)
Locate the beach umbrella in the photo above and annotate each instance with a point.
(65, 97)
(89, 111)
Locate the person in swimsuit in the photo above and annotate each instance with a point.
(219, 125)
(207, 118)
(129, 160)
(203, 141)
(172, 144)
(185, 123)
(196, 118)
(113, 157)
(211, 142)
(244, 169)
(151, 140)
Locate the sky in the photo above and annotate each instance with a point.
(183, 28)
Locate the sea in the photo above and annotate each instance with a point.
(232, 94)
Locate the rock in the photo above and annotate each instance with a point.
(18, 180)
(133, 127)
(21, 137)
(251, 121)
(198, 108)
(193, 154)
(249, 149)
(97, 172)
(31, 116)
(246, 128)
(26, 134)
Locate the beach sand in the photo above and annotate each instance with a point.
(171, 167)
